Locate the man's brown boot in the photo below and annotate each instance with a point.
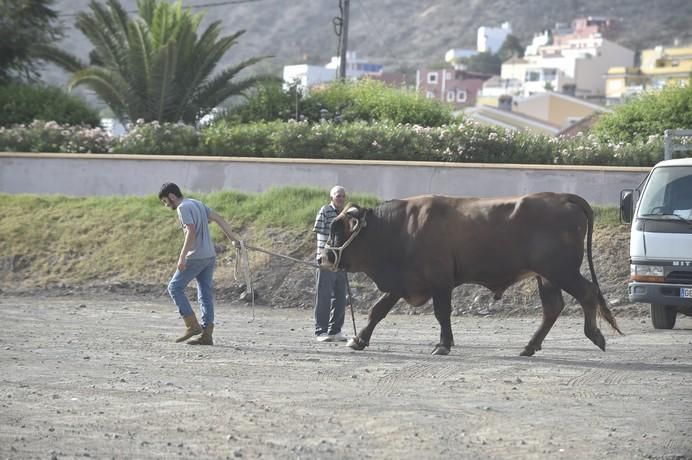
(205, 338)
(192, 327)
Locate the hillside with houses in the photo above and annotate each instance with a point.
(570, 61)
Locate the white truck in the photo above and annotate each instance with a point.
(661, 241)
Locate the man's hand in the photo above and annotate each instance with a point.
(181, 264)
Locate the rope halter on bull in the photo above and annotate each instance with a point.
(337, 251)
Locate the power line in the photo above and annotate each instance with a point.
(201, 5)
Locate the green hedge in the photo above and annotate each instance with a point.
(461, 142)
(23, 103)
(365, 100)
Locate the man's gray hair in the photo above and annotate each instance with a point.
(336, 189)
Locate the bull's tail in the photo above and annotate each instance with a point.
(603, 309)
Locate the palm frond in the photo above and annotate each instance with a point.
(108, 85)
(103, 29)
(206, 56)
(160, 100)
(139, 56)
(57, 56)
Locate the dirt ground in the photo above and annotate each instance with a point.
(103, 379)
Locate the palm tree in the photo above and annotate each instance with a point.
(155, 66)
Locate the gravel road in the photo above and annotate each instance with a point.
(85, 377)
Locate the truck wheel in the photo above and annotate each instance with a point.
(663, 316)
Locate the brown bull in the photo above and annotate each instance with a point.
(423, 247)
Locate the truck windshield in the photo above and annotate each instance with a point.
(668, 194)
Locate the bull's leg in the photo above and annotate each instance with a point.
(375, 315)
(553, 303)
(586, 294)
(442, 304)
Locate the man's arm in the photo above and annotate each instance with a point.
(187, 245)
(215, 217)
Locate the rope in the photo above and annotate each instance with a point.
(253, 248)
(242, 265)
(350, 303)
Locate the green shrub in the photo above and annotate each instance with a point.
(370, 100)
(49, 136)
(158, 139)
(269, 101)
(648, 114)
(23, 103)
(225, 138)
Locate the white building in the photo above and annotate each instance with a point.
(305, 75)
(309, 75)
(490, 39)
(577, 66)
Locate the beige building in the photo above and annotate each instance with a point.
(659, 66)
(546, 113)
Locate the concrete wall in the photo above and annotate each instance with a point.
(86, 175)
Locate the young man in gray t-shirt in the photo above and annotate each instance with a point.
(196, 261)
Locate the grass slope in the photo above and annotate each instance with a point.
(56, 239)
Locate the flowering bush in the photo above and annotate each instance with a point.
(156, 138)
(460, 142)
(41, 136)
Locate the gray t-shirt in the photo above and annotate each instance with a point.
(197, 213)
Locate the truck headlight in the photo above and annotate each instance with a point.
(646, 273)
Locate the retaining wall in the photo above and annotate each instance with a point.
(97, 174)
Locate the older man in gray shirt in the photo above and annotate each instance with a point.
(331, 287)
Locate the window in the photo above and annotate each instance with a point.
(461, 95)
(430, 95)
(450, 96)
(448, 75)
(669, 191)
(533, 75)
(432, 78)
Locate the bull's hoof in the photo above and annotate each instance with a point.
(599, 340)
(528, 351)
(356, 344)
(440, 350)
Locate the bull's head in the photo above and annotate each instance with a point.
(344, 228)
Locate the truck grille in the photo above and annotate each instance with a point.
(679, 277)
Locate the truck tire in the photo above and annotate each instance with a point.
(663, 316)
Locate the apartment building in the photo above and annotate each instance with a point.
(456, 87)
(659, 66)
(572, 62)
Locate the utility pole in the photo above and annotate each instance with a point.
(344, 40)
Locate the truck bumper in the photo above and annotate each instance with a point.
(656, 293)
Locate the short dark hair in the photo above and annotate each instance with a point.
(170, 187)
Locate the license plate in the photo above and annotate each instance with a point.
(686, 293)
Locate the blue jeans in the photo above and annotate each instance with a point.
(330, 301)
(201, 270)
